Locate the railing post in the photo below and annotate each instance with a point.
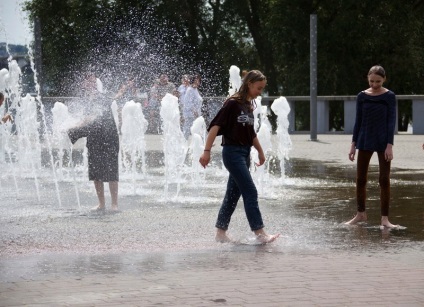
(417, 116)
(313, 76)
(349, 115)
(291, 116)
(323, 115)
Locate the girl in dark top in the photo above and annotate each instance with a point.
(234, 122)
(102, 143)
(374, 132)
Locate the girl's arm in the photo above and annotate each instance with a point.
(261, 154)
(206, 156)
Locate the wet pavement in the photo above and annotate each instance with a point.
(159, 249)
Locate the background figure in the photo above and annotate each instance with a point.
(102, 142)
(6, 117)
(127, 91)
(234, 122)
(185, 82)
(159, 89)
(181, 90)
(374, 132)
(191, 104)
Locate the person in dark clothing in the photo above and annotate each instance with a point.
(102, 143)
(234, 122)
(160, 88)
(374, 132)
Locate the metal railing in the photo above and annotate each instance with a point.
(212, 105)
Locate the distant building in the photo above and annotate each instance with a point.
(19, 53)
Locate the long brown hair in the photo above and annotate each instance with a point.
(243, 92)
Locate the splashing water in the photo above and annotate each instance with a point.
(257, 113)
(174, 143)
(198, 136)
(24, 113)
(264, 135)
(62, 121)
(133, 144)
(235, 80)
(281, 108)
(99, 85)
(178, 166)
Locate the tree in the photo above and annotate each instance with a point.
(138, 37)
(211, 35)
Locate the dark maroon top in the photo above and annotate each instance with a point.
(236, 124)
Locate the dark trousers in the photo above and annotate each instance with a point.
(240, 183)
(364, 157)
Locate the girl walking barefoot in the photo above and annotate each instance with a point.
(234, 122)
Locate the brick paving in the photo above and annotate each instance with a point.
(232, 275)
(256, 279)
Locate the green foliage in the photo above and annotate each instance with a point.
(146, 37)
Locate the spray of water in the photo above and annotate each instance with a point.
(133, 144)
(174, 144)
(198, 135)
(25, 129)
(62, 121)
(235, 80)
(281, 108)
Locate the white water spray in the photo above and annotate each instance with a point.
(281, 108)
(133, 144)
(62, 121)
(198, 136)
(264, 136)
(235, 80)
(174, 142)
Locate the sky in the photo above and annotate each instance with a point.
(14, 26)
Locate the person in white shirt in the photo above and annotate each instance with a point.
(185, 82)
(191, 104)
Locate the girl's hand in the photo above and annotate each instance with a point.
(261, 157)
(352, 152)
(388, 153)
(205, 158)
(6, 118)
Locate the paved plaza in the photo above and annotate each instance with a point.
(201, 272)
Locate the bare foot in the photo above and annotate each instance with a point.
(221, 236)
(264, 238)
(98, 208)
(385, 222)
(115, 208)
(359, 217)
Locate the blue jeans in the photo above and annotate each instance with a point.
(240, 183)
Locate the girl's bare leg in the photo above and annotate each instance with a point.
(100, 191)
(113, 187)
